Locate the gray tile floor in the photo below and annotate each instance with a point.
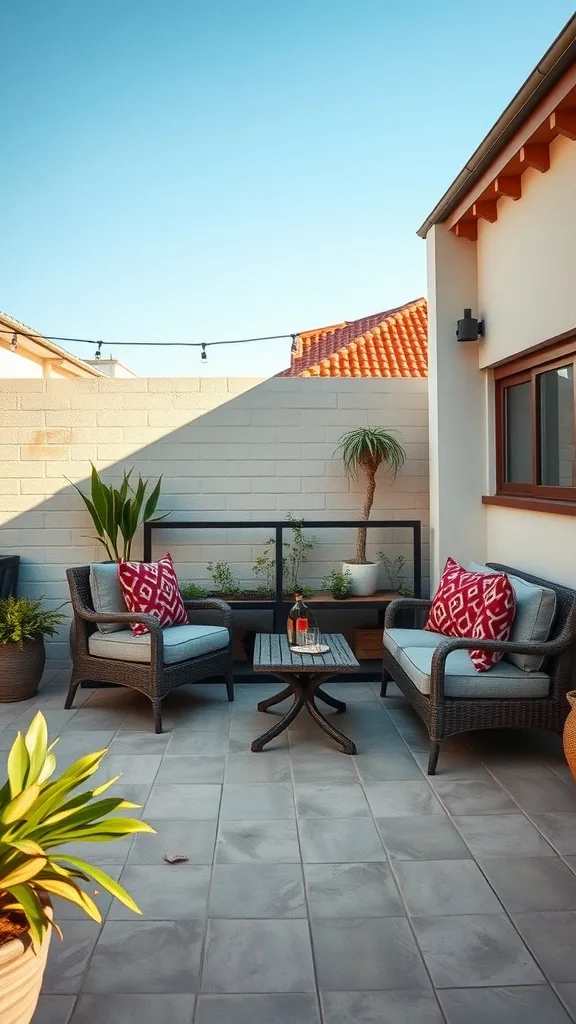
(318, 887)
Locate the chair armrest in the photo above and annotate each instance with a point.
(399, 603)
(122, 618)
(210, 603)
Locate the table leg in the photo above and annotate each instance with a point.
(318, 717)
(276, 699)
(278, 727)
(331, 701)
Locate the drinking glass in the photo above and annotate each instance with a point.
(311, 637)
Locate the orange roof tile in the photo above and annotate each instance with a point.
(389, 344)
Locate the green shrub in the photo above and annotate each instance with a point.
(23, 620)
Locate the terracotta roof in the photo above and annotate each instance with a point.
(389, 344)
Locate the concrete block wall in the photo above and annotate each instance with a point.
(235, 448)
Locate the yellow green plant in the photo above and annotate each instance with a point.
(38, 815)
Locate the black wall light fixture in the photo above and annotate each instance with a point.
(469, 329)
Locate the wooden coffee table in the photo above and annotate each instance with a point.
(303, 675)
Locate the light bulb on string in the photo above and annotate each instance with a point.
(14, 342)
(204, 355)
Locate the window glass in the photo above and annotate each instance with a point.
(518, 432)
(556, 427)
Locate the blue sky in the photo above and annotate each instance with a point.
(207, 169)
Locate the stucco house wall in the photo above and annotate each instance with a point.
(519, 277)
(229, 449)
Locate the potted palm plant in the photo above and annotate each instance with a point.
(23, 625)
(364, 450)
(38, 816)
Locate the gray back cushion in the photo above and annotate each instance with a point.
(535, 611)
(107, 593)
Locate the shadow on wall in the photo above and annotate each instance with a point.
(227, 448)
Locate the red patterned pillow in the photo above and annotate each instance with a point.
(458, 601)
(495, 619)
(152, 587)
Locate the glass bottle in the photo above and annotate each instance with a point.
(300, 620)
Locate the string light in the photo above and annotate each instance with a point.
(14, 342)
(204, 356)
(98, 352)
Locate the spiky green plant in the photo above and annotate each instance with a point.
(23, 620)
(117, 513)
(38, 816)
(366, 449)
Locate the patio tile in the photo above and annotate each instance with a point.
(474, 950)
(551, 937)
(531, 883)
(400, 799)
(531, 1004)
(323, 769)
(352, 890)
(53, 1010)
(138, 743)
(191, 770)
(244, 842)
(68, 960)
(93, 719)
(541, 795)
(257, 801)
(262, 956)
(366, 954)
(257, 890)
(327, 801)
(135, 769)
(133, 1009)
(173, 892)
(500, 835)
(172, 800)
(567, 993)
(338, 840)
(129, 791)
(194, 839)
(559, 829)
(469, 796)
(445, 887)
(103, 854)
(274, 767)
(72, 745)
(390, 766)
(422, 837)
(241, 744)
(199, 744)
(146, 956)
(381, 1008)
(269, 1009)
(66, 911)
(455, 764)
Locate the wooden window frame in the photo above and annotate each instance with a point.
(526, 369)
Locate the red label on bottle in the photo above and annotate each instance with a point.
(301, 625)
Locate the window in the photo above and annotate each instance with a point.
(536, 425)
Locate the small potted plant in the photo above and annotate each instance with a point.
(38, 816)
(339, 584)
(23, 625)
(118, 513)
(365, 450)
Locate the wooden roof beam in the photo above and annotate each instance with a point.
(563, 122)
(536, 155)
(467, 229)
(486, 208)
(508, 185)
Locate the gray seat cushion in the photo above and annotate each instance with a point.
(462, 679)
(396, 639)
(535, 611)
(180, 643)
(106, 593)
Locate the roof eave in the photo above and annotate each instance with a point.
(560, 56)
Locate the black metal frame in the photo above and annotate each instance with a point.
(278, 605)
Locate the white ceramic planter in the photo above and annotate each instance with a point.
(364, 578)
(21, 973)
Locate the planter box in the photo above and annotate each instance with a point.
(367, 644)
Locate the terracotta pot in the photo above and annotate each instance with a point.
(21, 973)
(569, 735)
(21, 670)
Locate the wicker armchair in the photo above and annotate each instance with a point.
(444, 716)
(153, 678)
